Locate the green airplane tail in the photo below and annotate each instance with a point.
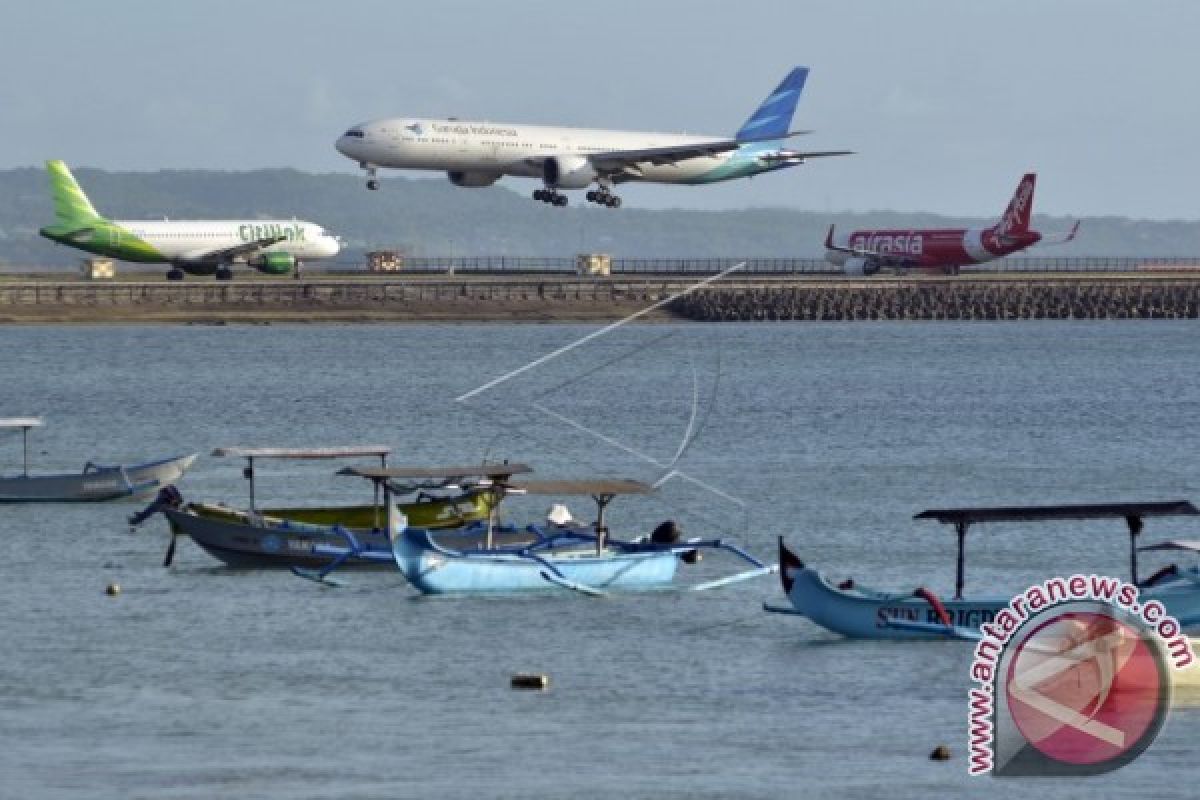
(71, 205)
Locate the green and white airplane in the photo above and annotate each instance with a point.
(197, 247)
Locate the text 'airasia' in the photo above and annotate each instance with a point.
(944, 249)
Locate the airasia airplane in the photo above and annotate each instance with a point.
(943, 249)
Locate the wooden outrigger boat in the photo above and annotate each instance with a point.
(859, 612)
(95, 483)
(282, 536)
(559, 555)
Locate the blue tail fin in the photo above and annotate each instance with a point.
(772, 119)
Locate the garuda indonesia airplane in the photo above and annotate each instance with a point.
(480, 153)
(198, 247)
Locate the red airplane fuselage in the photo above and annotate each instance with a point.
(941, 248)
(944, 249)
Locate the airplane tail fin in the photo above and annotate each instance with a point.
(1020, 208)
(71, 205)
(772, 119)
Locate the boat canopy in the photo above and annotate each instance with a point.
(21, 422)
(1191, 545)
(377, 451)
(413, 473)
(605, 486)
(969, 516)
(1132, 513)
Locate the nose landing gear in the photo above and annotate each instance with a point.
(372, 180)
(550, 196)
(604, 197)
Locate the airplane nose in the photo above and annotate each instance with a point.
(341, 144)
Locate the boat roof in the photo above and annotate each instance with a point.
(302, 452)
(1043, 513)
(472, 470)
(1191, 545)
(593, 487)
(21, 422)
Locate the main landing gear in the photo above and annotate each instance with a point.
(550, 196)
(604, 197)
(176, 274)
(224, 274)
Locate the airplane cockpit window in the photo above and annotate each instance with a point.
(354, 133)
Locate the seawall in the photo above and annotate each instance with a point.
(569, 298)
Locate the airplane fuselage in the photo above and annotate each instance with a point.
(187, 241)
(483, 151)
(942, 248)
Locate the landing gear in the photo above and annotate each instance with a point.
(372, 180)
(176, 274)
(224, 274)
(604, 197)
(550, 196)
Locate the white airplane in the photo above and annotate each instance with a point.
(198, 247)
(479, 153)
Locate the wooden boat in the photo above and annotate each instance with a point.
(561, 555)
(95, 482)
(285, 536)
(860, 612)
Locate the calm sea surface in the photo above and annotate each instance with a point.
(200, 681)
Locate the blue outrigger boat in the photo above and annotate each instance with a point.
(558, 555)
(859, 612)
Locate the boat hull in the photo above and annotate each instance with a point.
(433, 514)
(282, 538)
(95, 483)
(861, 613)
(433, 571)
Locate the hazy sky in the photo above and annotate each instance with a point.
(946, 102)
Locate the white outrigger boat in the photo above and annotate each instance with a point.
(94, 483)
(856, 611)
(558, 555)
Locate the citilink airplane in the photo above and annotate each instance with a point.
(198, 247)
(479, 153)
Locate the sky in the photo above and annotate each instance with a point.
(946, 102)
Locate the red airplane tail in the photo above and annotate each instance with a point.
(1020, 208)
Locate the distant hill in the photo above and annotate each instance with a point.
(434, 218)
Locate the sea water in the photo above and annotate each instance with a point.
(200, 681)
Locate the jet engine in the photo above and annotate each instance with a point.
(857, 265)
(275, 263)
(568, 172)
(472, 180)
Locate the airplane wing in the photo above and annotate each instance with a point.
(615, 161)
(226, 254)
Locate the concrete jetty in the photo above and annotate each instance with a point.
(566, 298)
